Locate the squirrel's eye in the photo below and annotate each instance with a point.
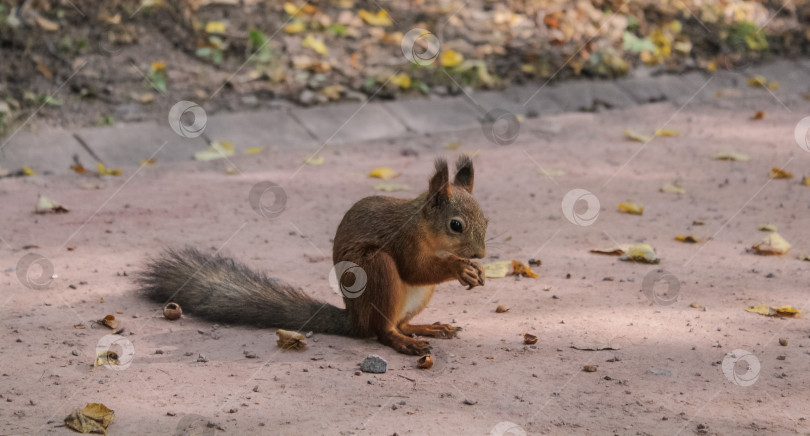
(455, 225)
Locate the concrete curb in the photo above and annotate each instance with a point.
(314, 128)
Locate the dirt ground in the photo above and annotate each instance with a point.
(665, 377)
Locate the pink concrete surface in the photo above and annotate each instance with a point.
(666, 378)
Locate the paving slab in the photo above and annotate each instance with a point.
(349, 122)
(48, 152)
(128, 144)
(524, 100)
(436, 115)
(276, 128)
(573, 96)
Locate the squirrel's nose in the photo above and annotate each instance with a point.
(480, 254)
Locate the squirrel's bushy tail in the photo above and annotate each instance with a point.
(223, 290)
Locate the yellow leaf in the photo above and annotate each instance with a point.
(806, 181)
(104, 171)
(758, 80)
(766, 227)
(381, 18)
(672, 188)
(254, 150)
(497, 269)
(635, 136)
(781, 311)
(711, 66)
(28, 171)
(453, 145)
(667, 132)
(551, 172)
(315, 44)
(617, 250)
(290, 340)
(314, 160)
(150, 161)
(691, 239)
(295, 27)
(215, 27)
(217, 150)
(730, 155)
(46, 205)
(774, 243)
(402, 80)
(773, 86)
(640, 253)
(779, 173)
(391, 187)
(631, 208)
(451, 58)
(159, 66)
(333, 92)
(384, 173)
(520, 268)
(291, 9)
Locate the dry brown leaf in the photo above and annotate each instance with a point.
(759, 115)
(289, 340)
(529, 339)
(779, 311)
(501, 309)
(780, 173)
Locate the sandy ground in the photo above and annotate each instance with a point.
(666, 377)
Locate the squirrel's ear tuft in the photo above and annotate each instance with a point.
(439, 190)
(464, 173)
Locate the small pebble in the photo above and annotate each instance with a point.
(470, 401)
(783, 342)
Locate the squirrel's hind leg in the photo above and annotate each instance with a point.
(436, 330)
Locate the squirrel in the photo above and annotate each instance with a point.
(404, 248)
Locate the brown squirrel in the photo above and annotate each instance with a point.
(404, 247)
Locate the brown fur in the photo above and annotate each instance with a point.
(405, 247)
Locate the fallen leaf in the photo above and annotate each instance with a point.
(551, 172)
(766, 227)
(391, 187)
(529, 339)
(667, 132)
(402, 80)
(501, 309)
(590, 368)
(695, 305)
(333, 92)
(215, 27)
(804, 257)
(673, 188)
(497, 269)
(150, 161)
(774, 243)
(384, 173)
(520, 268)
(453, 145)
(380, 19)
(104, 171)
(217, 150)
(730, 155)
(46, 205)
(316, 44)
(295, 27)
(779, 311)
(106, 357)
(759, 115)
(159, 66)
(28, 171)
(92, 418)
(289, 340)
(773, 86)
(641, 253)
(617, 250)
(44, 70)
(46, 24)
(631, 208)
(689, 238)
(805, 181)
(314, 160)
(780, 173)
(451, 58)
(635, 136)
(757, 81)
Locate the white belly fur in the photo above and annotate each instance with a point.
(416, 296)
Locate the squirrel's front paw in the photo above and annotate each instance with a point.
(471, 274)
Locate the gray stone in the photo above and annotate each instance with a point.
(374, 364)
(659, 371)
